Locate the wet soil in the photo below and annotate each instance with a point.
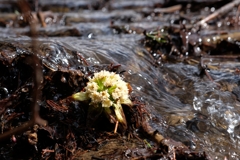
(183, 68)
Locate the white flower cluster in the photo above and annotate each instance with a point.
(107, 88)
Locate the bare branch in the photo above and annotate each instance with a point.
(35, 63)
(219, 12)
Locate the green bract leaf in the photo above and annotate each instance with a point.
(119, 113)
(80, 96)
(127, 102)
(111, 89)
(100, 84)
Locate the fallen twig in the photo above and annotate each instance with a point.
(168, 9)
(219, 12)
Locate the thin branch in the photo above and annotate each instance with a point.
(35, 63)
(116, 126)
(219, 12)
(168, 9)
